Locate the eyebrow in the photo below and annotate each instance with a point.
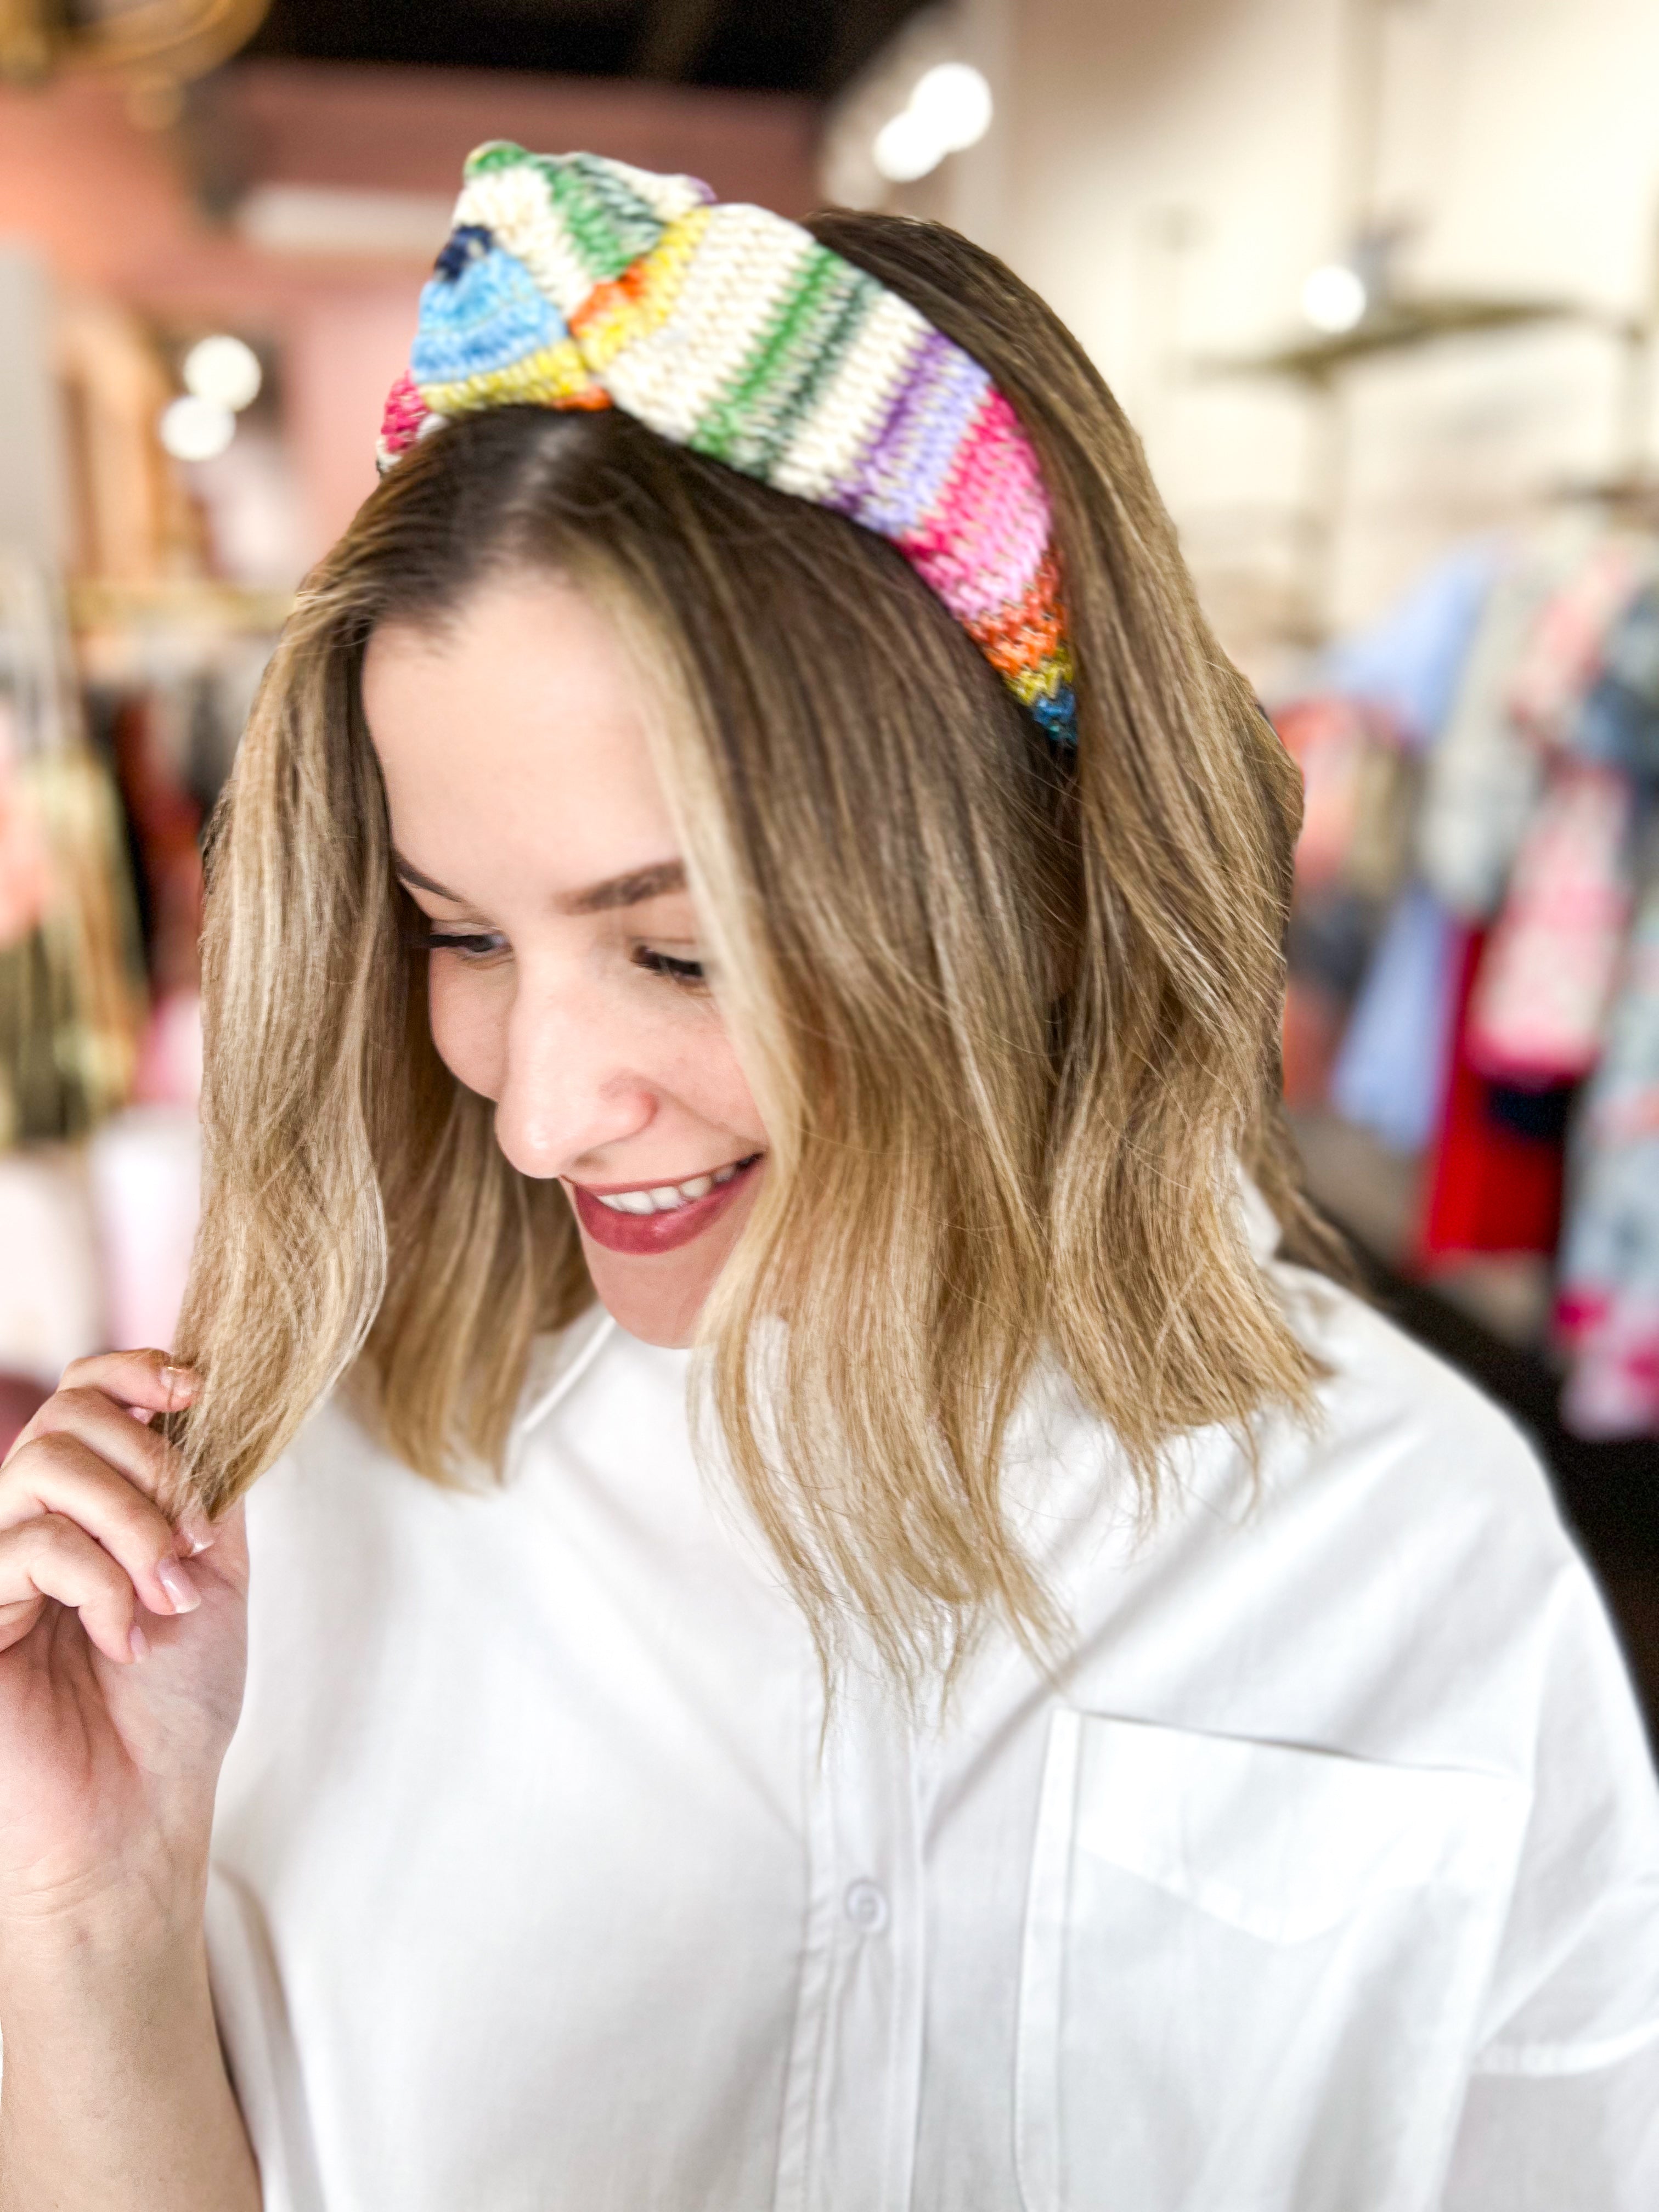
(616, 891)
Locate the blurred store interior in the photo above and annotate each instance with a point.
(1378, 281)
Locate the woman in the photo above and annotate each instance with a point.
(861, 1629)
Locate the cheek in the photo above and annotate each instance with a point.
(469, 1026)
(707, 1077)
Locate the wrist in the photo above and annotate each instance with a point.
(116, 2090)
(137, 1921)
(97, 1996)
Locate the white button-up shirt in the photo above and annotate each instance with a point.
(1322, 1877)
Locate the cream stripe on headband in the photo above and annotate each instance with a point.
(855, 401)
(572, 282)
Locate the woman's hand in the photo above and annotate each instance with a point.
(123, 1650)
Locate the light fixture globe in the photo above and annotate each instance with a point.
(1334, 298)
(193, 429)
(225, 370)
(953, 99)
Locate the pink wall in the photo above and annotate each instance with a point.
(112, 208)
(408, 129)
(344, 351)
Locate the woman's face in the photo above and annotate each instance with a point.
(566, 982)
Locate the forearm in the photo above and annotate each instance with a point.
(114, 2090)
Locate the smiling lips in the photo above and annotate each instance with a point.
(660, 1217)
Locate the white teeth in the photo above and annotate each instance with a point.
(665, 1198)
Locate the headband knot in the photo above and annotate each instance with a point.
(574, 282)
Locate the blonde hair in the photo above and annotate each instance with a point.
(1011, 1019)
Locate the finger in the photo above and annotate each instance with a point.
(61, 1474)
(148, 1380)
(52, 1558)
(144, 1457)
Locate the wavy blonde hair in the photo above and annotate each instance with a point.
(1011, 1018)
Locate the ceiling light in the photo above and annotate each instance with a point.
(224, 371)
(954, 101)
(1334, 299)
(907, 147)
(948, 108)
(195, 429)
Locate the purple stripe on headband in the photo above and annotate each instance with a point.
(904, 470)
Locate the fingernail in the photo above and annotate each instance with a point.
(181, 1382)
(138, 1642)
(176, 1582)
(195, 1536)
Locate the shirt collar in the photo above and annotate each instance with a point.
(557, 1362)
(1262, 1229)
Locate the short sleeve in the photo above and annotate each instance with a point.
(1562, 2113)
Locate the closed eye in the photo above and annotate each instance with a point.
(476, 944)
(690, 974)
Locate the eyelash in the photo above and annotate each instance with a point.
(689, 975)
(466, 943)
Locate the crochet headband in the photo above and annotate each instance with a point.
(574, 282)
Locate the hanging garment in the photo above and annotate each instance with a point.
(144, 1172)
(1483, 776)
(170, 1054)
(1541, 998)
(1326, 738)
(70, 985)
(1359, 787)
(1408, 665)
(1608, 1305)
(1618, 723)
(1633, 652)
(1612, 1388)
(1378, 863)
(1391, 1071)
(72, 991)
(1310, 1036)
(24, 881)
(1565, 653)
(51, 1307)
(1491, 1189)
(165, 824)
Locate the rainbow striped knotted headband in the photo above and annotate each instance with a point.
(574, 282)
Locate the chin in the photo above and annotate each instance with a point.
(656, 1299)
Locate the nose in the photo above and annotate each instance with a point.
(567, 1085)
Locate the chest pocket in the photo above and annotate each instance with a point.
(1251, 1974)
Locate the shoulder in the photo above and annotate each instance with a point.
(1401, 1431)
(1428, 1508)
(1400, 1438)
(1391, 1579)
(1400, 1453)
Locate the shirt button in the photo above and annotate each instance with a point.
(866, 1907)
